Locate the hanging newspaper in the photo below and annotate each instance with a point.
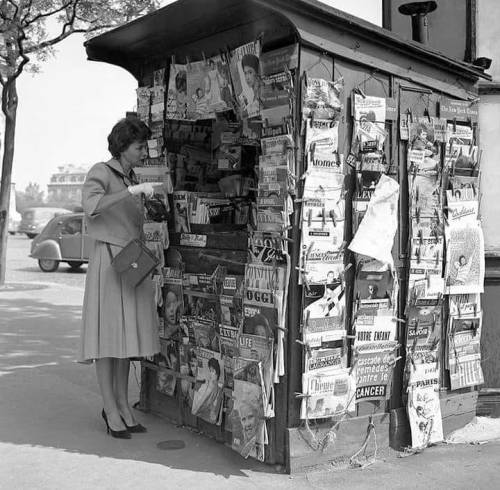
(464, 352)
(322, 133)
(327, 394)
(464, 271)
(372, 239)
(369, 123)
(463, 206)
(326, 359)
(321, 98)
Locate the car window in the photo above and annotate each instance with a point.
(72, 227)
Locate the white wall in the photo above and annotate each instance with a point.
(488, 34)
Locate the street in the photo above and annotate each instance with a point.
(22, 268)
(52, 437)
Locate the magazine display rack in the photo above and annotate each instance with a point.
(314, 167)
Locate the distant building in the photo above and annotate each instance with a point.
(66, 184)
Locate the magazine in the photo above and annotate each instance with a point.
(275, 98)
(143, 103)
(181, 211)
(327, 394)
(279, 60)
(173, 306)
(374, 375)
(325, 359)
(246, 76)
(207, 400)
(247, 420)
(266, 248)
(322, 133)
(176, 107)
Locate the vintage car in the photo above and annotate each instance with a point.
(64, 239)
(33, 220)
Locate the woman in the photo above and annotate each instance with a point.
(250, 98)
(208, 397)
(119, 321)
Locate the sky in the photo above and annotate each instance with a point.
(66, 112)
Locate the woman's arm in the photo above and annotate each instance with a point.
(94, 193)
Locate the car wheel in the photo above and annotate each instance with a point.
(75, 264)
(31, 235)
(48, 265)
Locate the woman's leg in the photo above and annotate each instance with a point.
(106, 372)
(122, 370)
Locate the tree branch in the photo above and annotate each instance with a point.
(27, 22)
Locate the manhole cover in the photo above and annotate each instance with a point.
(21, 286)
(171, 445)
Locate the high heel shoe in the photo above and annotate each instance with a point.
(119, 434)
(134, 429)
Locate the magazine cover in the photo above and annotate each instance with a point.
(373, 372)
(198, 91)
(464, 304)
(275, 99)
(328, 394)
(181, 212)
(424, 413)
(207, 400)
(422, 139)
(427, 249)
(321, 98)
(374, 329)
(206, 334)
(231, 311)
(188, 367)
(172, 306)
(247, 420)
(277, 144)
(266, 248)
(463, 206)
(464, 271)
(260, 316)
(143, 103)
(217, 85)
(264, 277)
(177, 92)
(279, 60)
(246, 75)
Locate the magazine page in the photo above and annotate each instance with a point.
(188, 369)
(280, 59)
(327, 394)
(173, 306)
(322, 132)
(246, 76)
(247, 420)
(198, 91)
(369, 122)
(207, 400)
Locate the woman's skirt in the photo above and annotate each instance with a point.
(118, 320)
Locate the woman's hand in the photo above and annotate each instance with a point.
(147, 188)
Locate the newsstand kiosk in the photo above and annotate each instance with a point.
(285, 128)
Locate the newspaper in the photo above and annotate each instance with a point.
(327, 394)
(373, 239)
(374, 329)
(464, 272)
(207, 400)
(246, 77)
(247, 420)
(322, 133)
(325, 359)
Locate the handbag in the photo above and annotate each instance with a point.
(134, 262)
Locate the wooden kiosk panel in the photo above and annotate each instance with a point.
(331, 44)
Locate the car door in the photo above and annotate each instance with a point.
(71, 238)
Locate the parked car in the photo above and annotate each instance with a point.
(64, 239)
(33, 220)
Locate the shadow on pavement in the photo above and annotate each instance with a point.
(49, 400)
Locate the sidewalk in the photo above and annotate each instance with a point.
(52, 437)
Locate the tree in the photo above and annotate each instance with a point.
(26, 39)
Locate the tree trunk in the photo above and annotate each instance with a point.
(9, 108)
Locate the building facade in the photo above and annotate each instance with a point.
(66, 184)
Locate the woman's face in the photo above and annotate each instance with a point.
(171, 308)
(250, 75)
(213, 374)
(134, 154)
(248, 421)
(261, 330)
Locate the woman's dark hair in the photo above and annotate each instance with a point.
(250, 60)
(124, 133)
(214, 364)
(252, 323)
(181, 81)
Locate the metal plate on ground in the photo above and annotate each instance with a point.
(171, 445)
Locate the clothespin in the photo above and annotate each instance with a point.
(172, 59)
(323, 217)
(437, 254)
(358, 91)
(204, 57)
(188, 62)
(475, 309)
(426, 114)
(418, 255)
(421, 236)
(417, 214)
(459, 309)
(427, 278)
(332, 216)
(454, 124)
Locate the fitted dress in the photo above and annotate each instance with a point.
(119, 320)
